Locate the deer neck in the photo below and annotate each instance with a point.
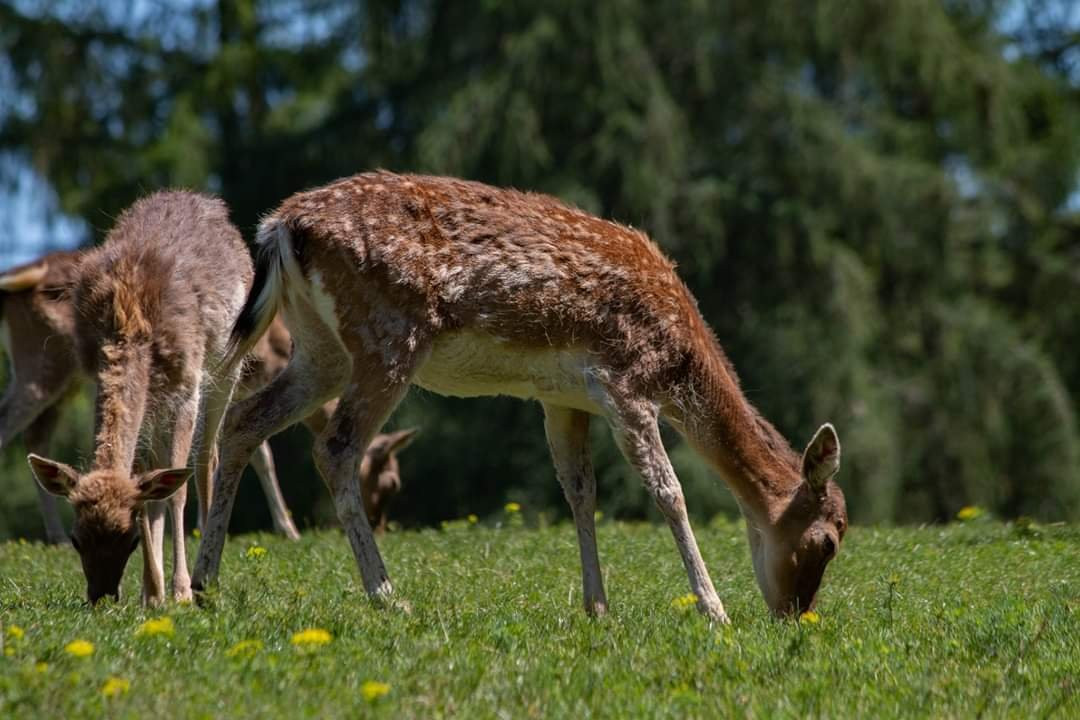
(757, 463)
(123, 379)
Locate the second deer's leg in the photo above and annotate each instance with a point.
(177, 450)
(568, 439)
(262, 461)
(635, 424)
(152, 523)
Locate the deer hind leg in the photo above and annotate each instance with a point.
(262, 460)
(375, 389)
(301, 387)
(635, 425)
(37, 438)
(218, 395)
(568, 439)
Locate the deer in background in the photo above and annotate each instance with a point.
(37, 330)
(386, 280)
(153, 305)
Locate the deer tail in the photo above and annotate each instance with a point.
(275, 259)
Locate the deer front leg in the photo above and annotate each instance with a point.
(179, 452)
(568, 439)
(37, 437)
(152, 521)
(635, 424)
(262, 460)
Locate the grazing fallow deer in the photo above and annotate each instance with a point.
(464, 289)
(37, 330)
(153, 306)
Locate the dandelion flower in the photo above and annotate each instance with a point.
(9, 652)
(255, 551)
(472, 519)
(196, 533)
(372, 690)
(969, 512)
(115, 686)
(245, 649)
(42, 667)
(79, 648)
(312, 637)
(512, 507)
(810, 618)
(156, 626)
(683, 602)
(15, 632)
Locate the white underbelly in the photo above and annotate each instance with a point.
(470, 364)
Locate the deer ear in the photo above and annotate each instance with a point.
(398, 441)
(160, 484)
(56, 478)
(23, 278)
(821, 459)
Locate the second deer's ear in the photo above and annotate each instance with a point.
(23, 278)
(56, 478)
(160, 484)
(401, 439)
(821, 459)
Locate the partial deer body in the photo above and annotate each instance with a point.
(153, 305)
(37, 330)
(386, 280)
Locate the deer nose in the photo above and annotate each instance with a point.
(95, 595)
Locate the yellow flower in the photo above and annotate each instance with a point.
(115, 686)
(156, 626)
(683, 602)
(196, 533)
(372, 690)
(312, 637)
(255, 551)
(969, 512)
(79, 648)
(245, 649)
(15, 632)
(9, 652)
(472, 519)
(512, 507)
(810, 618)
(42, 667)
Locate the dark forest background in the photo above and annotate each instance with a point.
(875, 202)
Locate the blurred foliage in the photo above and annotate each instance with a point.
(874, 202)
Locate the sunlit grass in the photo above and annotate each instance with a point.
(975, 617)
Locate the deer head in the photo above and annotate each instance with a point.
(107, 506)
(379, 476)
(791, 554)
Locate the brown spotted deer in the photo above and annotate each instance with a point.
(37, 326)
(153, 305)
(464, 289)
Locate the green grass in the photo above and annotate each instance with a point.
(943, 621)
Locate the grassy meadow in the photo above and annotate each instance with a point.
(966, 620)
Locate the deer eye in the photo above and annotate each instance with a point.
(829, 547)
